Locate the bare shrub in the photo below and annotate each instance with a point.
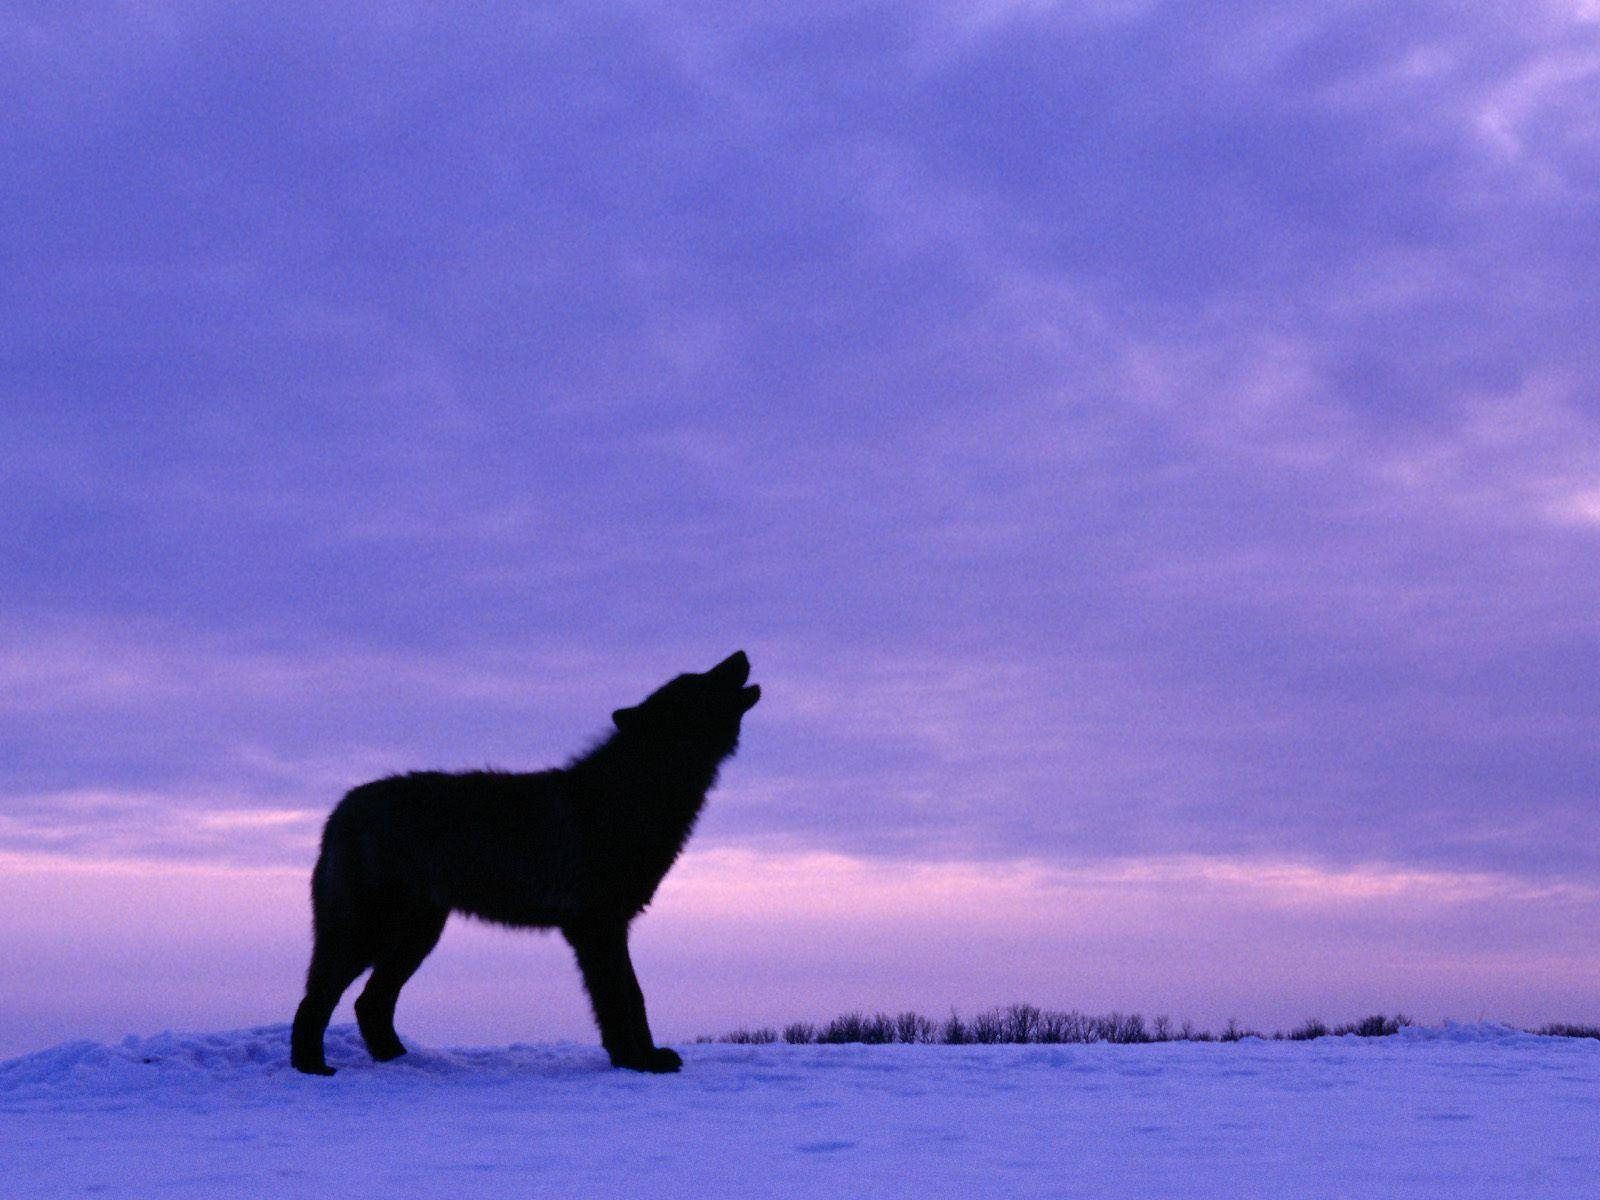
(1053, 1027)
(1376, 1026)
(752, 1037)
(1021, 1023)
(954, 1032)
(1561, 1029)
(842, 1029)
(1125, 1028)
(989, 1027)
(911, 1027)
(878, 1029)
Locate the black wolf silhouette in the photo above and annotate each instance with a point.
(581, 849)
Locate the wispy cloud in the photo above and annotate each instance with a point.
(1113, 435)
(160, 829)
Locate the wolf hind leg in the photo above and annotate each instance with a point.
(413, 937)
(334, 967)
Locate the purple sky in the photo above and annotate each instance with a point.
(1150, 454)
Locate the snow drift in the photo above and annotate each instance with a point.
(1457, 1111)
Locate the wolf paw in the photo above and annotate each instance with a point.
(663, 1060)
(658, 1060)
(378, 1033)
(383, 1045)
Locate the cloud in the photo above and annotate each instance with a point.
(108, 828)
(1112, 435)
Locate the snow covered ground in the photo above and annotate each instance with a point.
(1463, 1111)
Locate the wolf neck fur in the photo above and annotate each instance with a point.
(626, 770)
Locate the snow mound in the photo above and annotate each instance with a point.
(1446, 1113)
(197, 1062)
(135, 1064)
(1475, 1032)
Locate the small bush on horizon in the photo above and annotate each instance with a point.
(912, 1027)
(877, 1030)
(1561, 1029)
(1376, 1026)
(841, 1029)
(753, 1037)
(988, 1028)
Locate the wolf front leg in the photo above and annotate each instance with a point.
(613, 988)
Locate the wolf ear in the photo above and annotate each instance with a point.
(624, 718)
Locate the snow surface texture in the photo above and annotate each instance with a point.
(1462, 1111)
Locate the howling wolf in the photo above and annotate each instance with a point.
(581, 849)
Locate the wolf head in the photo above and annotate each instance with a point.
(703, 709)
